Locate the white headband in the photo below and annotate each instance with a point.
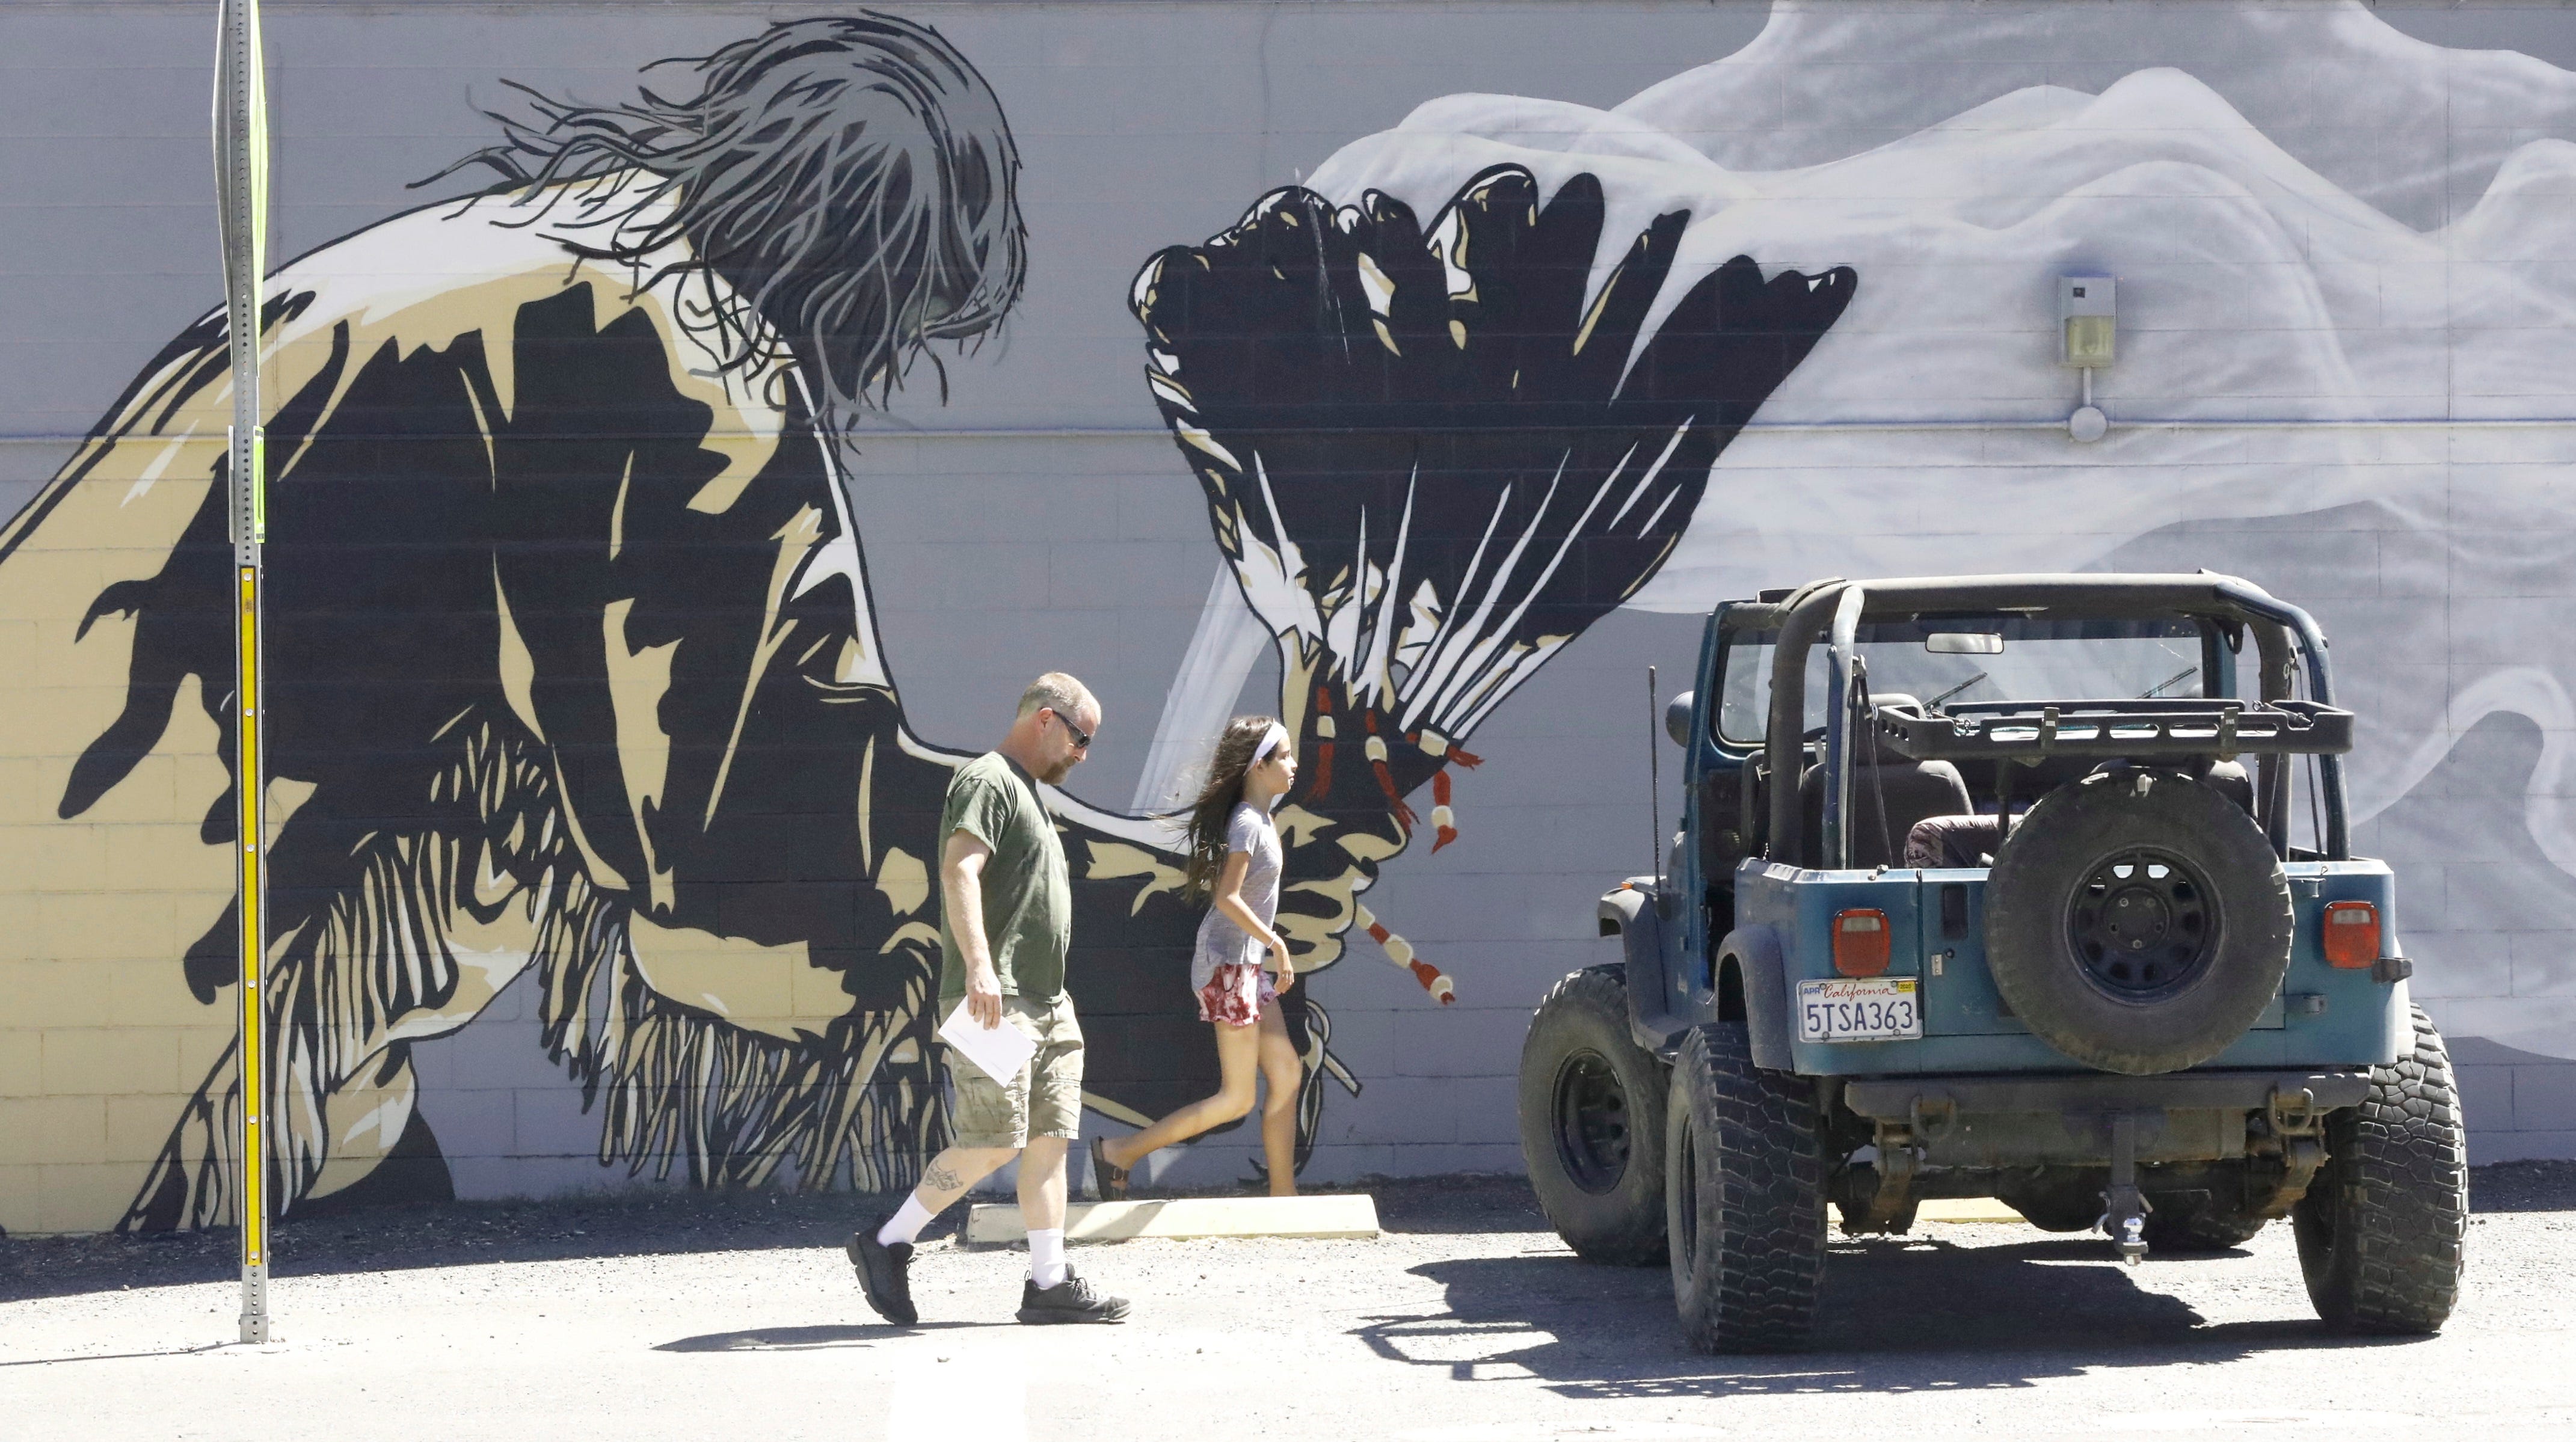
(1277, 738)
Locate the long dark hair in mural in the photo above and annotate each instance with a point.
(1434, 454)
(850, 180)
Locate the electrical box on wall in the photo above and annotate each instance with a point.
(2088, 315)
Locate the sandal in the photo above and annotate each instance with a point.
(1108, 1183)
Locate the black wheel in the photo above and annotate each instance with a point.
(2196, 1222)
(2380, 1229)
(2137, 921)
(1592, 1122)
(1744, 1195)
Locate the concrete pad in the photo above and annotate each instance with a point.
(1343, 1215)
(1968, 1209)
(1960, 1209)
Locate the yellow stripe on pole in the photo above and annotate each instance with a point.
(241, 169)
(254, 1028)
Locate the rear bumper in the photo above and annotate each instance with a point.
(1902, 1098)
(1996, 1123)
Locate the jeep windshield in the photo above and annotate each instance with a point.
(1943, 661)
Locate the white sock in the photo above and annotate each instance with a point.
(1046, 1257)
(905, 1224)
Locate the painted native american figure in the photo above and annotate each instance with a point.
(573, 670)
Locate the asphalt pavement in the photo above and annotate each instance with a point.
(1468, 1321)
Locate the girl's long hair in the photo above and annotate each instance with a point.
(1218, 796)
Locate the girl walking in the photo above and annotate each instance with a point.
(1234, 860)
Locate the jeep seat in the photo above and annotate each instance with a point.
(1955, 842)
(1913, 790)
(1947, 843)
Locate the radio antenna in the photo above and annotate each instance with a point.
(1654, 781)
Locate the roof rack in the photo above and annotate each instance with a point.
(2139, 729)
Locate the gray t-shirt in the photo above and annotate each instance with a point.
(1221, 942)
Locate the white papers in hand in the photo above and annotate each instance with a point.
(1000, 1051)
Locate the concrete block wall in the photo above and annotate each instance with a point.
(1041, 516)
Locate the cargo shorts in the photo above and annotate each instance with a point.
(1044, 1100)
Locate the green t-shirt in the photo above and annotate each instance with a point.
(1028, 896)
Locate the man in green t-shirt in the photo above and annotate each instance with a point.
(1006, 915)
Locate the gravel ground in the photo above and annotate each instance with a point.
(1467, 1322)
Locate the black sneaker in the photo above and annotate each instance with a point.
(1070, 1300)
(884, 1274)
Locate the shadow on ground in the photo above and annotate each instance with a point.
(2523, 1187)
(648, 1221)
(116, 1356)
(1898, 1315)
(640, 1221)
(440, 1234)
(808, 1339)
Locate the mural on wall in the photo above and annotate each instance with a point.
(573, 667)
(568, 644)
(579, 678)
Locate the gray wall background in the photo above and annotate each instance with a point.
(993, 556)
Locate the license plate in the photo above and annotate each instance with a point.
(1877, 1008)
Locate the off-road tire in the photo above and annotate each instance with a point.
(2065, 840)
(1744, 1197)
(1608, 1213)
(2199, 1224)
(2382, 1226)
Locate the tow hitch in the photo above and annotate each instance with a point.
(2124, 1207)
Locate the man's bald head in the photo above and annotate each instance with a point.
(1058, 692)
(1052, 733)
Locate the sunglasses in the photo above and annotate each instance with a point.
(1081, 738)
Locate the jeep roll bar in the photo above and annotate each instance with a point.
(1836, 608)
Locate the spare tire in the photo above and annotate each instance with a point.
(2137, 921)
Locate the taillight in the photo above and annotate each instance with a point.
(1861, 942)
(2352, 934)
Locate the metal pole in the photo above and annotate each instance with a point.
(241, 171)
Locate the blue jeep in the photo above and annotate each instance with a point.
(1938, 925)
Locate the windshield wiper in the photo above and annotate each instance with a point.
(2185, 674)
(1935, 703)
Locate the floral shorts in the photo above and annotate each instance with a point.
(1234, 995)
